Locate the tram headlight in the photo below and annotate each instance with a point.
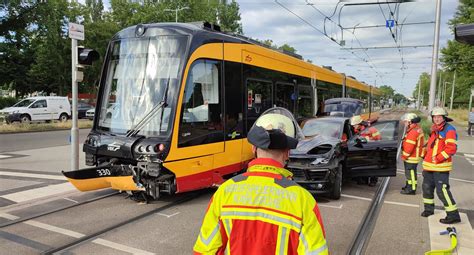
(150, 148)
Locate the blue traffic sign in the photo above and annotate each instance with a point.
(390, 23)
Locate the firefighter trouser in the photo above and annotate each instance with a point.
(410, 174)
(440, 181)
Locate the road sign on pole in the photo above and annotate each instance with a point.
(390, 23)
(76, 31)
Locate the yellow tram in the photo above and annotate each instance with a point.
(176, 101)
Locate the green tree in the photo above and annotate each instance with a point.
(387, 91)
(51, 71)
(15, 45)
(459, 57)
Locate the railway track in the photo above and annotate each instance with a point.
(63, 208)
(90, 237)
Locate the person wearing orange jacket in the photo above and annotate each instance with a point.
(412, 150)
(437, 164)
(263, 211)
(363, 129)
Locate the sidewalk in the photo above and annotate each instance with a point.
(465, 142)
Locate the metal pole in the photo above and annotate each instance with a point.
(434, 61)
(439, 88)
(470, 99)
(418, 99)
(176, 15)
(74, 129)
(452, 92)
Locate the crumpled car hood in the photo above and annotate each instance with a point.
(304, 146)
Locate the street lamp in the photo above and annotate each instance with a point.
(176, 11)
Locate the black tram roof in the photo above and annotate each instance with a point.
(202, 33)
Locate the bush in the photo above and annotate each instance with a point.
(7, 101)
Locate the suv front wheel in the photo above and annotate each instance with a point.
(337, 186)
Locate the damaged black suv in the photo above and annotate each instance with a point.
(331, 152)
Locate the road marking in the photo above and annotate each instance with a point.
(74, 234)
(52, 228)
(121, 247)
(8, 216)
(469, 155)
(386, 202)
(31, 194)
(450, 178)
(356, 197)
(464, 231)
(168, 216)
(5, 156)
(40, 176)
(68, 199)
(331, 206)
(403, 204)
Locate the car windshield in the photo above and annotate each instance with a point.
(349, 109)
(24, 103)
(323, 128)
(138, 73)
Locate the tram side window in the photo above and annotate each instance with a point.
(285, 96)
(201, 115)
(259, 99)
(305, 102)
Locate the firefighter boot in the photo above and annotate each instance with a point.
(426, 213)
(451, 217)
(408, 191)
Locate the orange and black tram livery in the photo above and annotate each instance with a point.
(175, 103)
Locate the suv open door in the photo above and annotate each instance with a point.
(374, 158)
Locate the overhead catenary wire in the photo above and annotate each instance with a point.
(368, 61)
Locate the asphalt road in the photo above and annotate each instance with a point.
(399, 228)
(37, 140)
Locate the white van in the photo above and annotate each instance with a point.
(42, 108)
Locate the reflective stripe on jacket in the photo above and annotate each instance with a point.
(262, 212)
(371, 134)
(441, 147)
(412, 146)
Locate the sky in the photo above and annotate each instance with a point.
(300, 24)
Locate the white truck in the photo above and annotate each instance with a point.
(41, 108)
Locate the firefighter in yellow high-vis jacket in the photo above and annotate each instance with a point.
(263, 211)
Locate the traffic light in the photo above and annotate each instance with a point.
(86, 56)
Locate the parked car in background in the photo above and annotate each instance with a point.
(331, 152)
(41, 108)
(90, 114)
(82, 108)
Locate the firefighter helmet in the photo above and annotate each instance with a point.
(411, 117)
(275, 129)
(439, 111)
(356, 120)
(436, 111)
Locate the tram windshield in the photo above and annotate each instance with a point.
(139, 73)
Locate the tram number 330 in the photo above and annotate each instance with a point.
(103, 172)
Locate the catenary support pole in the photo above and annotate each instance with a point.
(434, 61)
(452, 92)
(418, 106)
